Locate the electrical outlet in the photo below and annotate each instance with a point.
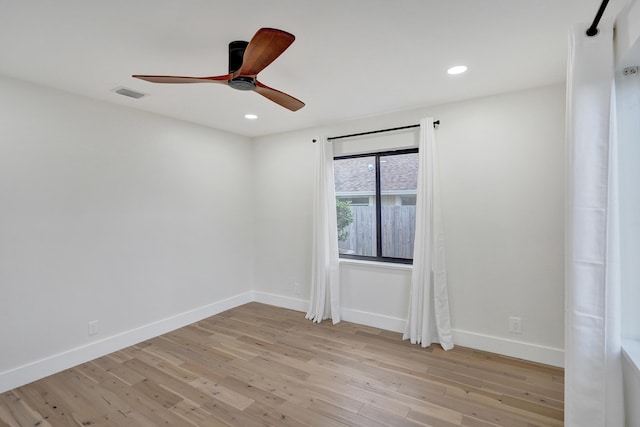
(93, 327)
(515, 325)
(296, 288)
(630, 71)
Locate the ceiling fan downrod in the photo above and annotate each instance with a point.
(236, 55)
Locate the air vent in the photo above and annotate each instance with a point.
(128, 92)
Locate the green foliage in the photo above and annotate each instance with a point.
(345, 217)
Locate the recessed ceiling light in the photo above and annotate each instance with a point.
(458, 69)
(250, 116)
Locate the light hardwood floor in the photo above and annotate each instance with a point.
(259, 365)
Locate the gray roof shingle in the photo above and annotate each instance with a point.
(397, 173)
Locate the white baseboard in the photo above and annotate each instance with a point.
(42, 368)
(374, 320)
(506, 347)
(296, 304)
(518, 349)
(348, 315)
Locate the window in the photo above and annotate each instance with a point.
(375, 201)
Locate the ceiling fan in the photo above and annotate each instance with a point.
(246, 60)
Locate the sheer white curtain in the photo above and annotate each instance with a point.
(429, 301)
(325, 276)
(593, 379)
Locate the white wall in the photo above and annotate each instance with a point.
(502, 172)
(628, 112)
(628, 103)
(283, 177)
(107, 213)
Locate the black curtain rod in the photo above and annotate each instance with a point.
(372, 132)
(593, 29)
(436, 123)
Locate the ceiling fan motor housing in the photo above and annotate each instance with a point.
(243, 83)
(236, 55)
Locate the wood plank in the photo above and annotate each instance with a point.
(386, 418)
(14, 411)
(273, 415)
(194, 415)
(342, 415)
(308, 417)
(222, 393)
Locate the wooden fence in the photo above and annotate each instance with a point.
(398, 230)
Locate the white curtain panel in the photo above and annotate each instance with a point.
(429, 301)
(593, 379)
(325, 276)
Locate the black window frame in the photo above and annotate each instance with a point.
(378, 198)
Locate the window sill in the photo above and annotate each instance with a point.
(631, 348)
(376, 264)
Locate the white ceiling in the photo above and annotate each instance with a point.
(351, 58)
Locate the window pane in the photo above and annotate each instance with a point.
(355, 200)
(398, 183)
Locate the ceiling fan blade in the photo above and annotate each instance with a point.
(184, 79)
(280, 98)
(265, 46)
